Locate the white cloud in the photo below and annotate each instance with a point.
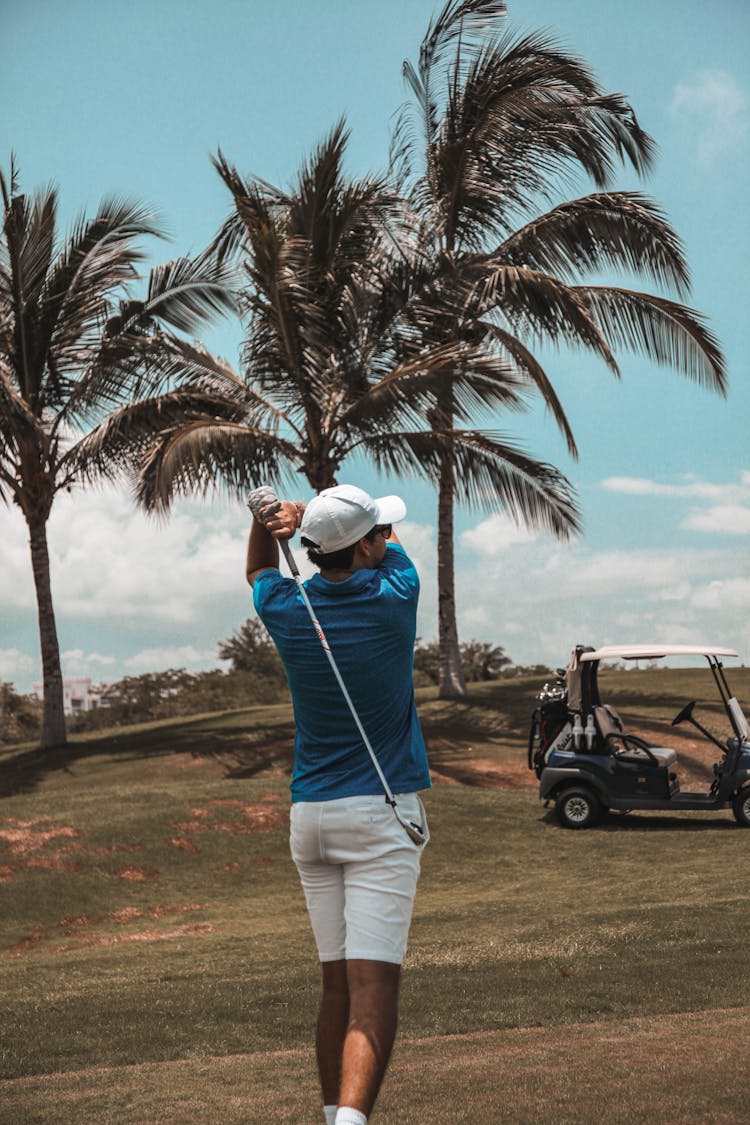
(513, 629)
(724, 519)
(729, 595)
(495, 534)
(14, 663)
(475, 618)
(691, 487)
(109, 560)
(76, 662)
(649, 572)
(419, 543)
(16, 582)
(715, 106)
(541, 600)
(728, 512)
(176, 656)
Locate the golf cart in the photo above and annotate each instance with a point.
(588, 763)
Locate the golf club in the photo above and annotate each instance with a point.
(258, 500)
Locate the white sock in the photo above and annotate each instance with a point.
(330, 1112)
(348, 1116)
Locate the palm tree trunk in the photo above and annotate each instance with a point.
(320, 473)
(53, 721)
(451, 683)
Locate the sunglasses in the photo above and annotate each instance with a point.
(383, 529)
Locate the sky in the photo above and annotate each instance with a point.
(105, 97)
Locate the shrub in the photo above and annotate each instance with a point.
(20, 715)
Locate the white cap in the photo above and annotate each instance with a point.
(338, 517)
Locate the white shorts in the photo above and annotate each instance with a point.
(359, 872)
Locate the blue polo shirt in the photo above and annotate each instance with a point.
(369, 620)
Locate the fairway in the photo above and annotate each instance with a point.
(157, 963)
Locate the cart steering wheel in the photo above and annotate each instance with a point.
(685, 714)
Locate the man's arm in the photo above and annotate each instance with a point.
(262, 545)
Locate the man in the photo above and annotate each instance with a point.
(357, 865)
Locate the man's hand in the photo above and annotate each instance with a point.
(281, 519)
(272, 522)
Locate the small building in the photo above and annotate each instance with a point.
(80, 694)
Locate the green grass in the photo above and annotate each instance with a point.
(157, 962)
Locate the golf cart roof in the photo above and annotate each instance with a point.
(654, 652)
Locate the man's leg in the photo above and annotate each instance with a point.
(333, 1021)
(373, 1016)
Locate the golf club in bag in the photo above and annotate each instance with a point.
(264, 497)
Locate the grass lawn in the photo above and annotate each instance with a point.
(157, 963)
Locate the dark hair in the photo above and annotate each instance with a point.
(337, 560)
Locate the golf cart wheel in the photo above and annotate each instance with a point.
(578, 808)
(741, 807)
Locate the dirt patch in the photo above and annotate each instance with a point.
(197, 929)
(262, 816)
(137, 874)
(22, 837)
(89, 931)
(54, 862)
(484, 774)
(24, 842)
(80, 920)
(184, 844)
(118, 849)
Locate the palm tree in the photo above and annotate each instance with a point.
(74, 346)
(250, 649)
(495, 130)
(334, 359)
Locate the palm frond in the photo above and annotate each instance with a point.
(525, 112)
(197, 369)
(459, 20)
(665, 331)
(187, 292)
(533, 370)
(477, 379)
(608, 229)
(539, 305)
(17, 419)
(116, 446)
(100, 256)
(206, 455)
(319, 184)
(228, 241)
(489, 472)
(38, 246)
(255, 203)
(122, 367)
(16, 220)
(10, 186)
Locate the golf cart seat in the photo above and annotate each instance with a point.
(612, 730)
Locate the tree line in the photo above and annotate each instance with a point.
(255, 677)
(384, 316)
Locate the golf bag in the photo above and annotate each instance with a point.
(548, 722)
